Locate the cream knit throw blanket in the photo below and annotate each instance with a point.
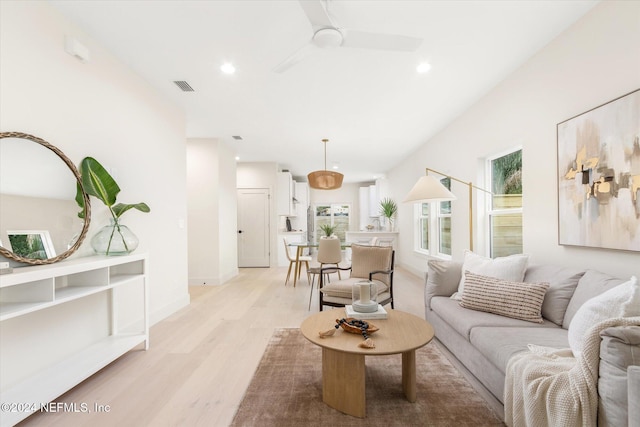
(550, 387)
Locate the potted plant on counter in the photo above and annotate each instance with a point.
(388, 209)
(115, 238)
(328, 230)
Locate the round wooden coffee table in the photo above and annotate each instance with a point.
(343, 365)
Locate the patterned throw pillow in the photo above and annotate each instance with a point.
(510, 267)
(511, 299)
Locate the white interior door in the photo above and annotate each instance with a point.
(253, 227)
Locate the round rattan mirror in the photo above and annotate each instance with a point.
(37, 195)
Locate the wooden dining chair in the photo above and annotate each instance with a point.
(329, 254)
(296, 262)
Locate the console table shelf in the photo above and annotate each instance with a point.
(39, 301)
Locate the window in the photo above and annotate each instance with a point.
(444, 222)
(434, 226)
(335, 214)
(423, 227)
(505, 205)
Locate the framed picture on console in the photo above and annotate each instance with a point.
(599, 176)
(33, 244)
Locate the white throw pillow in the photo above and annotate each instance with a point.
(621, 301)
(509, 268)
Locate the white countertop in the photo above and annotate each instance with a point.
(373, 232)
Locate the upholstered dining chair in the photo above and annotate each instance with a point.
(293, 262)
(329, 254)
(373, 263)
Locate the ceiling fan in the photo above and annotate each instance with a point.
(327, 34)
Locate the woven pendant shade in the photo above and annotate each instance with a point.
(325, 179)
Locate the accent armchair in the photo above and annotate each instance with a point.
(373, 263)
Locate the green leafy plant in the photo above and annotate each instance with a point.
(388, 208)
(328, 229)
(97, 182)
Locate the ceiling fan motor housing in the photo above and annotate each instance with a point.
(328, 37)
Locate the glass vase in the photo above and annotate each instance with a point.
(114, 239)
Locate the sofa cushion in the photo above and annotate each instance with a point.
(443, 278)
(511, 268)
(499, 344)
(562, 283)
(619, 349)
(444, 275)
(633, 389)
(592, 283)
(365, 259)
(464, 320)
(343, 288)
(621, 301)
(512, 299)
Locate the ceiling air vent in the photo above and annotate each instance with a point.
(237, 137)
(184, 86)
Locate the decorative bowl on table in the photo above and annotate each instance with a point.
(351, 325)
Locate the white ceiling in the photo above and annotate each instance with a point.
(372, 105)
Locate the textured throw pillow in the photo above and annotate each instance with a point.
(621, 301)
(592, 284)
(511, 299)
(510, 268)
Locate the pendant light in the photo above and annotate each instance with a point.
(325, 179)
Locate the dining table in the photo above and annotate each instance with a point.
(300, 246)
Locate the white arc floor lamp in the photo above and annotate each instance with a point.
(429, 189)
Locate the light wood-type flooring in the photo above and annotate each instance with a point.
(202, 358)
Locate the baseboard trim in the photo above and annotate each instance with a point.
(493, 403)
(167, 310)
(199, 281)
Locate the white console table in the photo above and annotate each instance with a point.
(61, 323)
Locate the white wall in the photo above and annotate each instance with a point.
(212, 200)
(104, 110)
(593, 62)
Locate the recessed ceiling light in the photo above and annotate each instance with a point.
(423, 67)
(228, 68)
(237, 157)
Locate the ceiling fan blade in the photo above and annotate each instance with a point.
(316, 13)
(365, 40)
(296, 57)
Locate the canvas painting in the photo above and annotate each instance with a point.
(599, 176)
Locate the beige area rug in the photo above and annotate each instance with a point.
(286, 390)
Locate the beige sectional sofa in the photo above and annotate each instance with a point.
(484, 342)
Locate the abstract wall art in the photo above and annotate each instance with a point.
(599, 176)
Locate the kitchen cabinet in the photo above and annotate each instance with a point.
(286, 195)
(374, 201)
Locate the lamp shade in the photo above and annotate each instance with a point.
(325, 180)
(429, 189)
